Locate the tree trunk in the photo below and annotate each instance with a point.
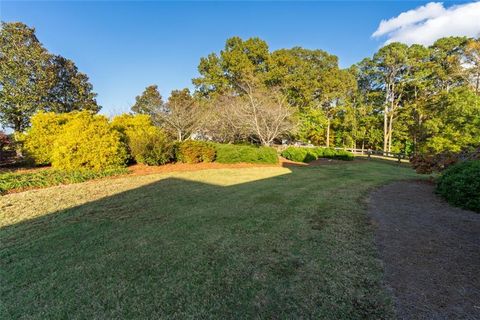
(328, 133)
(390, 130)
(385, 129)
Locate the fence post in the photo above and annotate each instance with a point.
(399, 158)
(369, 152)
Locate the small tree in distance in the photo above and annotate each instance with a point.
(182, 115)
(264, 113)
(149, 102)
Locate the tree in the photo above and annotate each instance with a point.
(472, 55)
(454, 123)
(182, 115)
(448, 67)
(66, 88)
(31, 79)
(221, 122)
(149, 102)
(239, 61)
(300, 74)
(385, 74)
(264, 112)
(22, 72)
(337, 87)
(311, 79)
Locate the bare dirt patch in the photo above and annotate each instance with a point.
(430, 251)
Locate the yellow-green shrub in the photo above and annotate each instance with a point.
(150, 146)
(191, 151)
(146, 143)
(39, 140)
(126, 123)
(88, 141)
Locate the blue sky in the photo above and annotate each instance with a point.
(125, 46)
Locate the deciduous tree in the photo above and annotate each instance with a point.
(182, 115)
(23, 61)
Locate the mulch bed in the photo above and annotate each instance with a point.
(430, 251)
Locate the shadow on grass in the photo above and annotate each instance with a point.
(294, 245)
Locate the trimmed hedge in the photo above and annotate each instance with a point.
(192, 151)
(231, 153)
(46, 178)
(459, 184)
(300, 154)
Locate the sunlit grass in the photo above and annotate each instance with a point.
(36, 203)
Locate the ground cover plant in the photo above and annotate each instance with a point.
(266, 242)
(460, 185)
(49, 177)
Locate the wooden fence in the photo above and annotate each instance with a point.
(399, 157)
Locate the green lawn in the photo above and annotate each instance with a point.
(265, 242)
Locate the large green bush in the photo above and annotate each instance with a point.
(151, 146)
(191, 151)
(88, 141)
(343, 155)
(460, 185)
(299, 154)
(302, 154)
(231, 153)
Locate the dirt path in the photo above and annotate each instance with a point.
(430, 251)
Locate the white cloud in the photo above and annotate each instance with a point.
(430, 22)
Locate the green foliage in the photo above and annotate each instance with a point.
(32, 79)
(22, 60)
(150, 146)
(46, 178)
(38, 141)
(149, 102)
(240, 60)
(66, 89)
(341, 155)
(301, 228)
(454, 122)
(312, 126)
(231, 153)
(146, 143)
(127, 124)
(88, 141)
(301, 154)
(191, 151)
(460, 185)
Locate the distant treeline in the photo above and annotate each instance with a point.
(403, 99)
